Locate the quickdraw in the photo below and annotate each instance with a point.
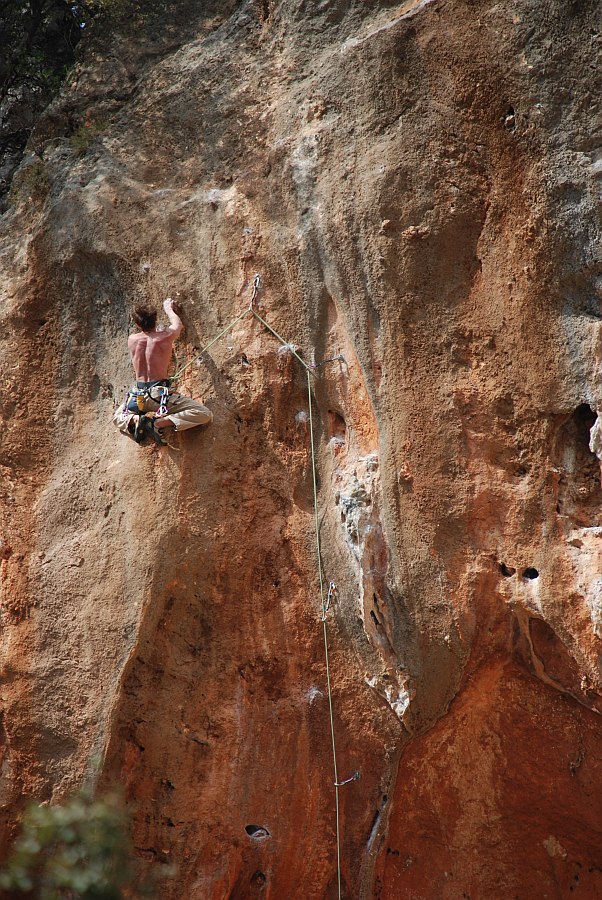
(355, 777)
(331, 596)
(163, 410)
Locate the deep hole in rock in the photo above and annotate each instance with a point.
(579, 491)
(258, 878)
(510, 119)
(530, 573)
(585, 417)
(257, 831)
(374, 619)
(507, 571)
(337, 427)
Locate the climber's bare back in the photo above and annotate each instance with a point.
(150, 352)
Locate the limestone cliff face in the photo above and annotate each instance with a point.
(417, 185)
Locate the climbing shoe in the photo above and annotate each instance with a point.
(147, 424)
(137, 430)
(165, 435)
(142, 427)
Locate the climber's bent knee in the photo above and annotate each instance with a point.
(190, 417)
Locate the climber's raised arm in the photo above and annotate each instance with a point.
(175, 322)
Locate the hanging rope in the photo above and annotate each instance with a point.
(326, 597)
(210, 344)
(249, 309)
(326, 654)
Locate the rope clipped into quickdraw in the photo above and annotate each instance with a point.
(338, 358)
(332, 593)
(256, 284)
(249, 309)
(355, 777)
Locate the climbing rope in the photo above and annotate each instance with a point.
(245, 312)
(326, 596)
(210, 344)
(326, 654)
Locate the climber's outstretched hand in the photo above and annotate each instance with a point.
(172, 309)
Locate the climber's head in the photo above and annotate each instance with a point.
(145, 317)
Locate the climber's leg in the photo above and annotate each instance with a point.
(123, 419)
(131, 424)
(183, 413)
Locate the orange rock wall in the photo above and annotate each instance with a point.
(417, 185)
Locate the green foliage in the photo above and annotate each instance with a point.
(83, 136)
(32, 183)
(78, 850)
(38, 40)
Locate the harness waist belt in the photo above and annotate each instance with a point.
(147, 385)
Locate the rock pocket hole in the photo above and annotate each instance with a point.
(507, 571)
(530, 574)
(510, 119)
(579, 493)
(258, 878)
(257, 832)
(337, 427)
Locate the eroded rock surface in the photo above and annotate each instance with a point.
(418, 185)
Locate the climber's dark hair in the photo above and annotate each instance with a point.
(145, 317)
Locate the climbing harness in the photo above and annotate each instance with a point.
(140, 401)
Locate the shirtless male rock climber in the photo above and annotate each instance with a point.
(151, 408)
